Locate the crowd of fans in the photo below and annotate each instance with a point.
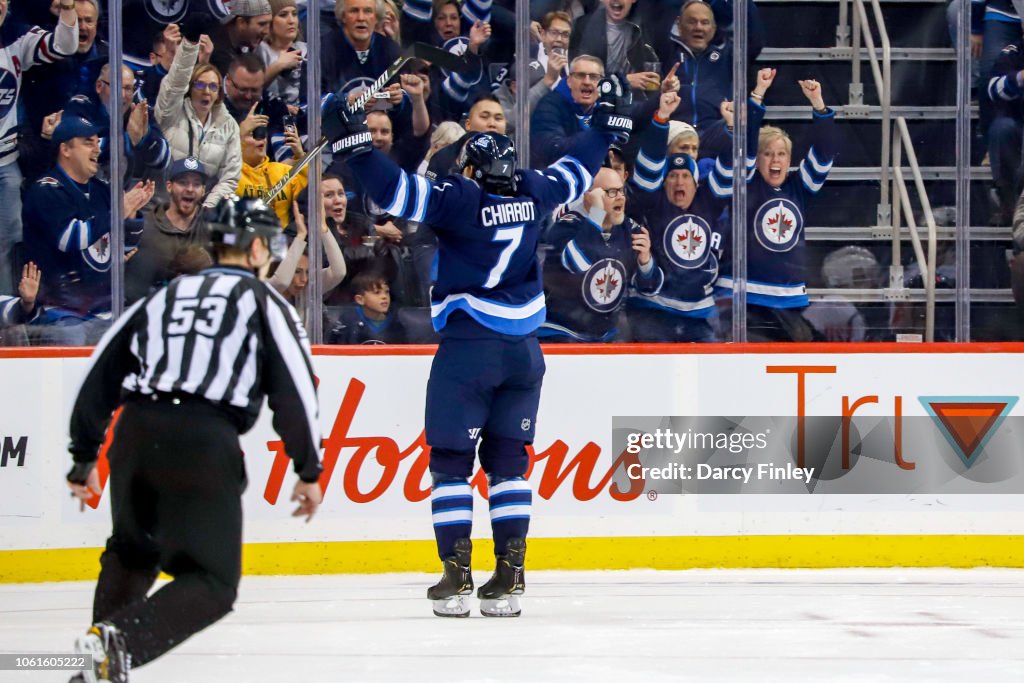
(215, 104)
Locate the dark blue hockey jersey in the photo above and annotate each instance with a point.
(1006, 87)
(345, 69)
(67, 234)
(587, 274)
(487, 266)
(776, 243)
(687, 243)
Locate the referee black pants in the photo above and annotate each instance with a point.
(176, 480)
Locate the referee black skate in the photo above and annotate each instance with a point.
(189, 365)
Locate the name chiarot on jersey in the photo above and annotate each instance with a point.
(511, 212)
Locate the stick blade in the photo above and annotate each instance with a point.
(438, 56)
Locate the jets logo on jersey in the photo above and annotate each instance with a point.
(687, 241)
(604, 285)
(165, 11)
(457, 46)
(8, 92)
(97, 255)
(777, 224)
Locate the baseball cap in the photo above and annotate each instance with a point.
(187, 165)
(74, 127)
(250, 8)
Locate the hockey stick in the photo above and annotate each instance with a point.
(435, 55)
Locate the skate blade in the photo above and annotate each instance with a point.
(500, 607)
(89, 645)
(455, 606)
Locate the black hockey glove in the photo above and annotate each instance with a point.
(610, 111)
(346, 130)
(80, 472)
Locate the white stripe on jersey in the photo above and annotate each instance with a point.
(490, 308)
(296, 355)
(576, 257)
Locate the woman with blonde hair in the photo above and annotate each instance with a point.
(387, 20)
(191, 113)
(777, 198)
(448, 132)
(284, 54)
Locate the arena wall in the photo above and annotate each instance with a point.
(376, 514)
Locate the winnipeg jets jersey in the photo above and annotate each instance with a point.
(776, 243)
(67, 234)
(487, 266)
(33, 47)
(587, 274)
(687, 243)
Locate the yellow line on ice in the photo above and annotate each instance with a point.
(653, 552)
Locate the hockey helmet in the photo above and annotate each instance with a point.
(237, 221)
(493, 158)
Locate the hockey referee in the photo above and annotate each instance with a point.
(189, 365)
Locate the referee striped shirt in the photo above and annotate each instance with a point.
(222, 335)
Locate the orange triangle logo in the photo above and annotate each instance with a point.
(968, 422)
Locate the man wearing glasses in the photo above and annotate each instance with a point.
(565, 111)
(595, 258)
(243, 86)
(147, 154)
(548, 69)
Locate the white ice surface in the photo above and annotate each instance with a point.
(726, 625)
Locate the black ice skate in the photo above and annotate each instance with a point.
(499, 596)
(110, 659)
(448, 594)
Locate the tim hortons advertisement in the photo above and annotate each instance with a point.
(586, 483)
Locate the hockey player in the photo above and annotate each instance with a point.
(776, 201)
(34, 47)
(594, 258)
(203, 352)
(487, 303)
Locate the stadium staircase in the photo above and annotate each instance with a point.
(852, 209)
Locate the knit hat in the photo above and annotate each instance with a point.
(250, 8)
(677, 128)
(278, 5)
(682, 162)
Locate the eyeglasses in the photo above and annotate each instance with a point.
(565, 35)
(245, 91)
(614, 192)
(583, 76)
(212, 88)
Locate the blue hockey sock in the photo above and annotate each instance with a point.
(451, 505)
(510, 502)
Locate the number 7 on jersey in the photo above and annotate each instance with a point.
(514, 236)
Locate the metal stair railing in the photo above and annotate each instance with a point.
(882, 74)
(901, 143)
